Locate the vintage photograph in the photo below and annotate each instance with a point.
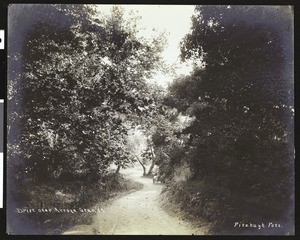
(150, 119)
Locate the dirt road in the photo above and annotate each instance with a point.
(136, 213)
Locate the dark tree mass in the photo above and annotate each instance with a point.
(241, 139)
(80, 82)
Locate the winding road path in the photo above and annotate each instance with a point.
(136, 213)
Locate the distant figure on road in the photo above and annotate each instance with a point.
(158, 178)
(155, 178)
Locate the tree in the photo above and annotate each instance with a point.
(163, 133)
(136, 144)
(240, 95)
(81, 82)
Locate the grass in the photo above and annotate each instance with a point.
(66, 198)
(171, 205)
(201, 202)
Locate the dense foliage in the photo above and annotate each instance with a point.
(241, 97)
(82, 86)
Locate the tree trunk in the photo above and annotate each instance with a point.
(153, 161)
(118, 169)
(143, 166)
(152, 166)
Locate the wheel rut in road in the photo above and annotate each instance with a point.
(137, 213)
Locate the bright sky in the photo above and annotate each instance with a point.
(175, 20)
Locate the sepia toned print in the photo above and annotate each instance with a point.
(150, 120)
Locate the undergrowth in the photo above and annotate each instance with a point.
(203, 202)
(70, 202)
